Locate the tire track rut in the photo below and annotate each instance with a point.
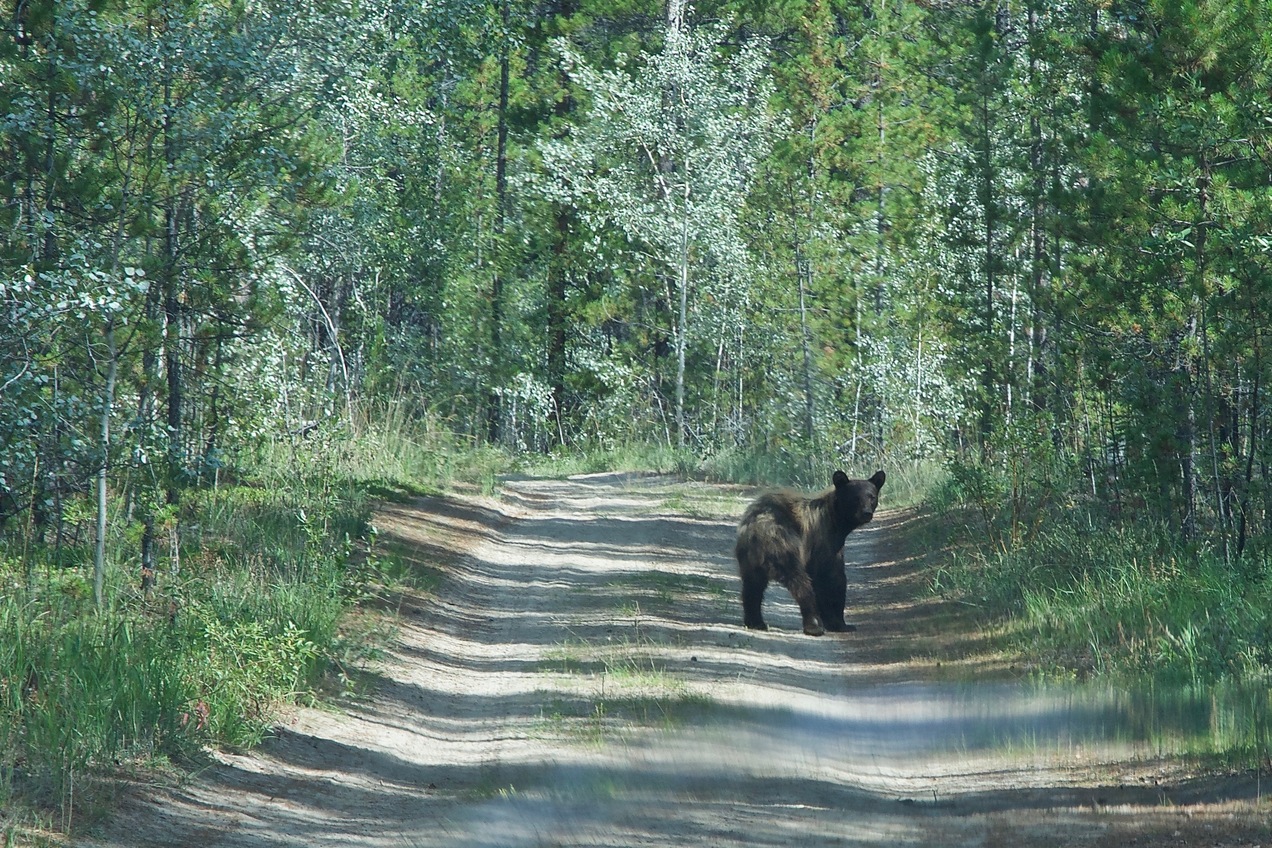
(580, 678)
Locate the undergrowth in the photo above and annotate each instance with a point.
(255, 576)
(907, 482)
(1114, 600)
(1085, 594)
(244, 620)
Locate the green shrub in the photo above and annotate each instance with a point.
(245, 623)
(1084, 593)
(909, 480)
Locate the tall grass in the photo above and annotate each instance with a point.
(908, 480)
(594, 457)
(242, 623)
(1086, 595)
(390, 448)
(1082, 594)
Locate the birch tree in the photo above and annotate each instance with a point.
(667, 152)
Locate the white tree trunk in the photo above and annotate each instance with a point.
(108, 405)
(681, 332)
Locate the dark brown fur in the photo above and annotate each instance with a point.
(799, 542)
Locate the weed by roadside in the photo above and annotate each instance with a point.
(621, 684)
(909, 480)
(245, 620)
(1078, 595)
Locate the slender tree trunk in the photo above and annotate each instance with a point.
(1036, 376)
(172, 303)
(682, 327)
(108, 405)
(501, 209)
(988, 369)
(1188, 443)
(1186, 431)
(739, 431)
(804, 272)
(804, 283)
(212, 444)
(337, 368)
(145, 427)
(1214, 403)
(880, 246)
(50, 249)
(881, 198)
(558, 278)
(1009, 368)
(1252, 445)
(172, 369)
(557, 286)
(917, 403)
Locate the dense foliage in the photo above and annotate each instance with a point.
(249, 620)
(874, 232)
(1029, 240)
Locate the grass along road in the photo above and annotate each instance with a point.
(580, 678)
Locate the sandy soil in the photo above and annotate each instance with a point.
(580, 678)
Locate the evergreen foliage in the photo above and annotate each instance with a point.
(1029, 241)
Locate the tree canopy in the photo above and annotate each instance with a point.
(871, 233)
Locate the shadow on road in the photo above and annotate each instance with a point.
(580, 677)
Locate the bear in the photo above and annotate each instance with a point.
(799, 542)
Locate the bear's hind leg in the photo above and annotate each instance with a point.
(801, 589)
(753, 585)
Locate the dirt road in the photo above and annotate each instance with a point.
(580, 678)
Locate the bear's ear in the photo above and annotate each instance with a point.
(840, 479)
(878, 479)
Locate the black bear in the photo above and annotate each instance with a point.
(799, 542)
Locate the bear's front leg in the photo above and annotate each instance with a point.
(830, 587)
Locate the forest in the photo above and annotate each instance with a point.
(1018, 253)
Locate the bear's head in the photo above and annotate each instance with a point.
(856, 500)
